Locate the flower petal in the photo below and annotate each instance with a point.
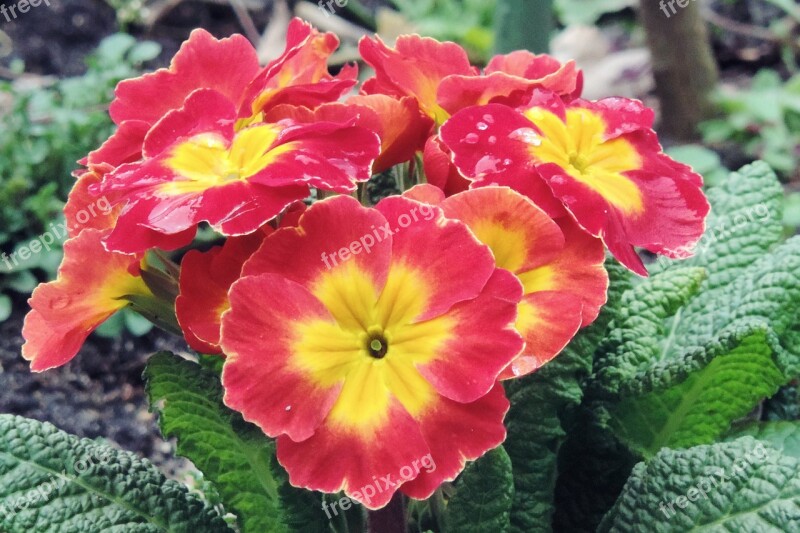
(92, 285)
(225, 65)
(415, 67)
(205, 280)
(457, 433)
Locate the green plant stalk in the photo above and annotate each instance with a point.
(523, 25)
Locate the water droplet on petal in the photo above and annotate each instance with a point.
(527, 135)
(557, 180)
(483, 126)
(507, 162)
(60, 302)
(472, 138)
(288, 407)
(487, 164)
(488, 119)
(492, 140)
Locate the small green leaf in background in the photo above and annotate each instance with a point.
(742, 485)
(588, 12)
(484, 494)
(53, 482)
(6, 307)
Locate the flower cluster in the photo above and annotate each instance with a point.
(482, 270)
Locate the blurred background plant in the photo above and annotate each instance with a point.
(47, 125)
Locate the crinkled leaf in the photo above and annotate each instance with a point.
(733, 486)
(642, 335)
(712, 387)
(484, 494)
(233, 454)
(678, 371)
(53, 482)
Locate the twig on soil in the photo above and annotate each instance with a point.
(748, 30)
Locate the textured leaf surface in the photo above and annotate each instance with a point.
(485, 492)
(683, 363)
(53, 482)
(722, 383)
(782, 435)
(234, 455)
(734, 486)
(542, 406)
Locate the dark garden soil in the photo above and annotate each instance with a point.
(99, 394)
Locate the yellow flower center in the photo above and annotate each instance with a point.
(374, 347)
(579, 147)
(206, 160)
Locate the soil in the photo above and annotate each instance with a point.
(98, 395)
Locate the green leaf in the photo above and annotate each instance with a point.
(705, 392)
(677, 371)
(541, 414)
(734, 486)
(232, 454)
(53, 482)
(484, 494)
(782, 435)
(6, 307)
(641, 335)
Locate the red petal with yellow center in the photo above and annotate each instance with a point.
(367, 345)
(457, 433)
(356, 238)
(559, 265)
(203, 62)
(369, 467)
(397, 121)
(199, 168)
(205, 280)
(263, 378)
(490, 146)
(599, 159)
(414, 67)
(92, 285)
(300, 76)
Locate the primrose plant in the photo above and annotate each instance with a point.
(351, 360)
